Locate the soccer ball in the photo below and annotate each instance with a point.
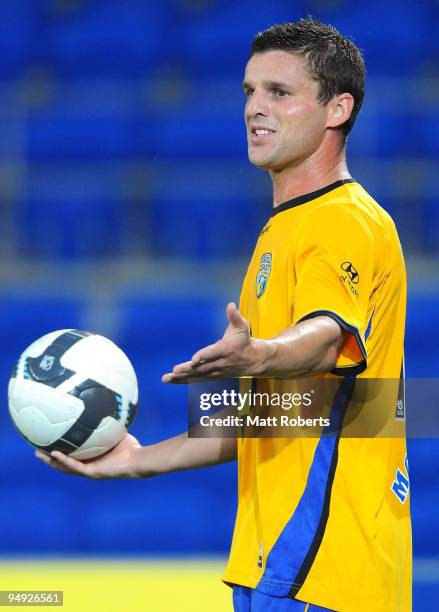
(73, 391)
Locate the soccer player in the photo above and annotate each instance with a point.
(322, 523)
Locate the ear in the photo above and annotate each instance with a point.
(340, 109)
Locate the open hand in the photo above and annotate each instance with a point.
(236, 354)
(119, 462)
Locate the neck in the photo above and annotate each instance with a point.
(311, 174)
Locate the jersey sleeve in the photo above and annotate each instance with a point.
(334, 267)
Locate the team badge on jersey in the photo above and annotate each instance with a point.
(263, 274)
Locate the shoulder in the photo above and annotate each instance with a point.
(350, 208)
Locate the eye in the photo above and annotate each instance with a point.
(280, 93)
(249, 93)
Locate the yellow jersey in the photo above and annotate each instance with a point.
(326, 520)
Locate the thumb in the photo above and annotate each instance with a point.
(235, 318)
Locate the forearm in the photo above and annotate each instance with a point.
(183, 453)
(309, 347)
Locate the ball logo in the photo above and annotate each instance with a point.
(347, 267)
(47, 362)
(263, 274)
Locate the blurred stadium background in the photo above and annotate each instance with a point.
(128, 207)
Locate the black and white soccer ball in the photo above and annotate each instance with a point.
(73, 391)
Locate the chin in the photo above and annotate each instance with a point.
(263, 163)
(270, 161)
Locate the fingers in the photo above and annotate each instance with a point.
(219, 368)
(182, 370)
(50, 461)
(231, 309)
(210, 353)
(197, 366)
(181, 378)
(235, 318)
(178, 379)
(63, 463)
(73, 465)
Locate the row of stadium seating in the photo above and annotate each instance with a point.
(106, 138)
(114, 38)
(199, 132)
(212, 228)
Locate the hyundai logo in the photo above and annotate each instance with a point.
(351, 272)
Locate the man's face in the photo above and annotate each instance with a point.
(285, 121)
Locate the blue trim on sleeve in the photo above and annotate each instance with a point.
(369, 326)
(349, 370)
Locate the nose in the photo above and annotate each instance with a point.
(257, 104)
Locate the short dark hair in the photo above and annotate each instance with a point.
(333, 60)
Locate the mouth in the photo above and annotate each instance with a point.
(260, 135)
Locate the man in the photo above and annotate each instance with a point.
(322, 523)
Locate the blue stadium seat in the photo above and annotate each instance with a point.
(25, 318)
(430, 222)
(81, 137)
(219, 40)
(390, 48)
(393, 134)
(60, 182)
(40, 521)
(425, 134)
(160, 517)
(108, 38)
(422, 336)
(70, 229)
(87, 97)
(210, 228)
(120, 517)
(169, 325)
(423, 496)
(406, 213)
(187, 134)
(364, 136)
(19, 24)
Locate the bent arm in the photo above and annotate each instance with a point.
(309, 347)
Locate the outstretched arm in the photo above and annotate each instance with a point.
(131, 460)
(308, 347)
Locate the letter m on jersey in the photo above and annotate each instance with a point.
(401, 485)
